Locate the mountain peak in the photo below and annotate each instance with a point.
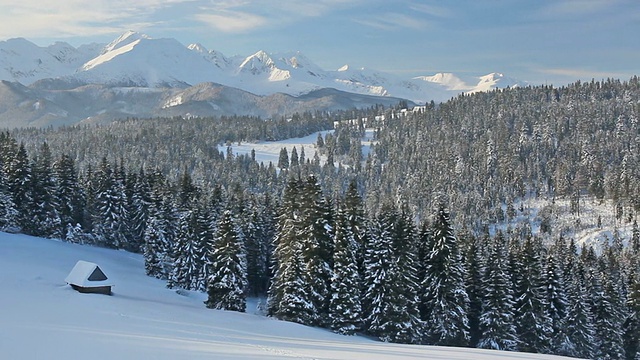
(124, 39)
(446, 79)
(197, 47)
(494, 76)
(257, 63)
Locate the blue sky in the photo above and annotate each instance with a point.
(538, 41)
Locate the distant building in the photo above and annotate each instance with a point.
(87, 277)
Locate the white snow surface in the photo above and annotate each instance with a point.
(269, 151)
(44, 318)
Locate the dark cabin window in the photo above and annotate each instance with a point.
(97, 275)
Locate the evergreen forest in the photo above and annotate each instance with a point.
(422, 237)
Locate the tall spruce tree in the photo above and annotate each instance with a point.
(390, 298)
(138, 208)
(160, 232)
(227, 281)
(43, 203)
(532, 320)
(345, 306)
(444, 293)
(258, 237)
(609, 341)
(317, 247)
(192, 237)
(380, 268)
(631, 325)
(409, 326)
(556, 301)
(497, 320)
(71, 201)
(19, 178)
(580, 329)
(473, 282)
(8, 211)
(289, 296)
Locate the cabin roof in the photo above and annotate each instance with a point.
(87, 274)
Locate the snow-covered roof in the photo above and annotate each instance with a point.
(87, 274)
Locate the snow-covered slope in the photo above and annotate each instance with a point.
(496, 80)
(448, 80)
(23, 61)
(136, 59)
(43, 318)
(482, 83)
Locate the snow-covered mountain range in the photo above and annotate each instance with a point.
(137, 61)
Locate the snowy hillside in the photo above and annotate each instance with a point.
(23, 61)
(136, 59)
(475, 84)
(43, 318)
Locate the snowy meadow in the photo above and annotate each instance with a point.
(44, 318)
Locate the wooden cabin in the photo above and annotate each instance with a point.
(87, 277)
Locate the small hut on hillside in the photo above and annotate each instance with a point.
(87, 277)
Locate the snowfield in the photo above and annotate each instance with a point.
(269, 151)
(43, 318)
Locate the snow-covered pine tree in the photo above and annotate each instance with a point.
(606, 312)
(497, 320)
(317, 247)
(216, 204)
(159, 233)
(44, 218)
(154, 249)
(283, 159)
(356, 221)
(294, 161)
(8, 211)
(188, 193)
(635, 238)
(580, 327)
(189, 253)
(111, 218)
(443, 289)
(227, 281)
(390, 300)
(258, 237)
(473, 283)
(345, 310)
(556, 302)
(71, 201)
(532, 320)
(631, 325)
(138, 208)
(289, 298)
(380, 266)
(19, 176)
(410, 327)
